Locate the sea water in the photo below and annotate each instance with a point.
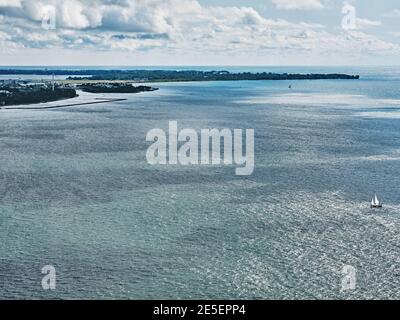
(77, 193)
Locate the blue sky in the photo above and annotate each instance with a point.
(199, 32)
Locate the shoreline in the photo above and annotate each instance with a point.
(157, 75)
(19, 94)
(64, 105)
(36, 103)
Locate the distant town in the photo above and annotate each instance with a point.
(16, 92)
(19, 92)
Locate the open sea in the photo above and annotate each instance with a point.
(76, 192)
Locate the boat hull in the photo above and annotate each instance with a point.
(376, 206)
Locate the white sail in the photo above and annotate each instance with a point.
(377, 202)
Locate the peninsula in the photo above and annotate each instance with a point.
(172, 75)
(114, 88)
(22, 92)
(17, 94)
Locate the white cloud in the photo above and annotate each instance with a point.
(366, 23)
(393, 14)
(298, 4)
(10, 3)
(177, 28)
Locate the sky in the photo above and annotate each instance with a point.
(199, 32)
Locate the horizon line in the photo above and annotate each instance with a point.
(194, 65)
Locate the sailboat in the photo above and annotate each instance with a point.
(375, 202)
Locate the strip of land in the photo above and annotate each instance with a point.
(24, 92)
(63, 105)
(173, 75)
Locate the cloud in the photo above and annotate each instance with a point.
(10, 3)
(366, 23)
(298, 4)
(393, 14)
(177, 28)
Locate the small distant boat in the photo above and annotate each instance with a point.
(375, 202)
(290, 86)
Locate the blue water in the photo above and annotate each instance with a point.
(76, 192)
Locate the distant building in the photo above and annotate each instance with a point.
(141, 80)
(37, 84)
(5, 93)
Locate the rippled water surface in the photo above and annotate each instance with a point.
(76, 192)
